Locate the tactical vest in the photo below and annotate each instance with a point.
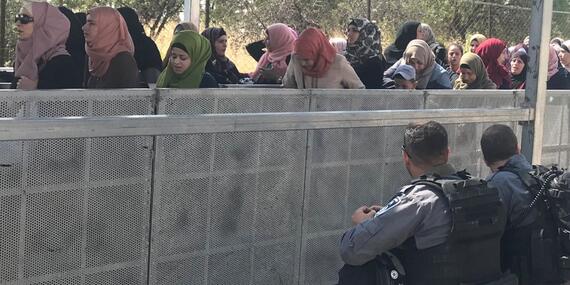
(535, 252)
(471, 254)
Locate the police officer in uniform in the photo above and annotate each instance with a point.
(415, 227)
(527, 257)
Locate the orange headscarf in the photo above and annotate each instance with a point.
(313, 44)
(111, 38)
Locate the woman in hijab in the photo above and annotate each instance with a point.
(475, 41)
(75, 44)
(564, 54)
(558, 76)
(473, 74)
(189, 54)
(147, 54)
(220, 66)
(519, 66)
(42, 61)
(184, 26)
(429, 74)
(407, 33)
(280, 42)
(110, 50)
(426, 33)
(364, 52)
(315, 64)
(493, 53)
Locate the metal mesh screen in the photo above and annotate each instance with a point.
(78, 209)
(556, 142)
(228, 208)
(356, 100)
(186, 102)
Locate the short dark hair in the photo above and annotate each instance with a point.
(426, 143)
(498, 142)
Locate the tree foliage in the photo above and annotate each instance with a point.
(245, 20)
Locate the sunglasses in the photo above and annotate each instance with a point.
(23, 19)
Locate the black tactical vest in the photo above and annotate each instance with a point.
(472, 252)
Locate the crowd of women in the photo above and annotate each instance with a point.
(108, 48)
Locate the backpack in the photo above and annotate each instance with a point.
(550, 235)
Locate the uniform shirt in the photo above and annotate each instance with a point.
(513, 192)
(420, 214)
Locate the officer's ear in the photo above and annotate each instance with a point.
(446, 153)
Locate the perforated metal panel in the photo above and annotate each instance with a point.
(470, 99)
(10, 236)
(186, 102)
(556, 142)
(72, 207)
(227, 208)
(354, 100)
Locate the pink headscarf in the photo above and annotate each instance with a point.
(281, 42)
(51, 29)
(111, 39)
(552, 62)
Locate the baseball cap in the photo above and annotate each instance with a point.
(406, 71)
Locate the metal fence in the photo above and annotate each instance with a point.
(210, 198)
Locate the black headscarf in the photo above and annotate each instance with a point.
(82, 17)
(406, 34)
(75, 44)
(147, 54)
(221, 67)
(519, 80)
(213, 34)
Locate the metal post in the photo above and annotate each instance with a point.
(369, 9)
(192, 12)
(535, 95)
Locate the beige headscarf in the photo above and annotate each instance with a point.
(419, 49)
(477, 37)
(51, 29)
(475, 63)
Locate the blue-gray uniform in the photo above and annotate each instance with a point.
(420, 214)
(513, 192)
(516, 242)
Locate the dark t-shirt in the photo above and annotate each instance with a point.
(122, 73)
(208, 81)
(371, 72)
(59, 73)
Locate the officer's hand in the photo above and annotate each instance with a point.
(362, 214)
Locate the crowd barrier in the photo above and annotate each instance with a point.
(227, 187)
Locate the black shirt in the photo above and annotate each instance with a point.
(59, 73)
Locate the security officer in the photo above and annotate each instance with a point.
(522, 253)
(416, 225)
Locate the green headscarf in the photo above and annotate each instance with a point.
(475, 63)
(199, 51)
